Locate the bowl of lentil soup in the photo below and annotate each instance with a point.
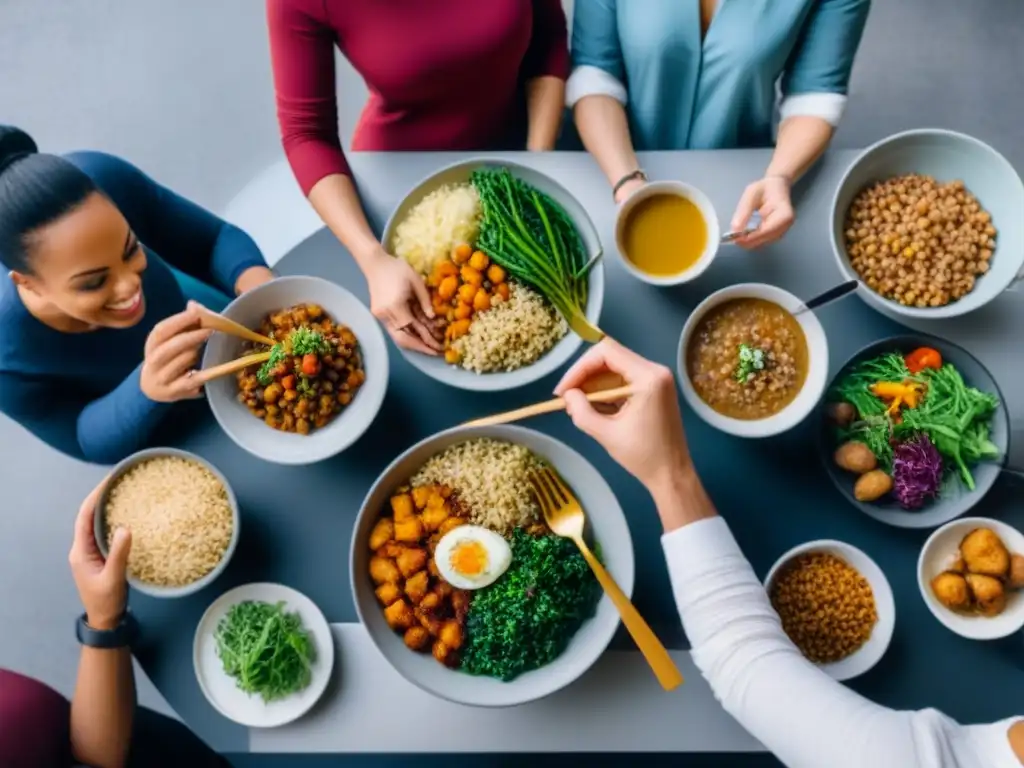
(325, 381)
(747, 365)
(836, 605)
(929, 221)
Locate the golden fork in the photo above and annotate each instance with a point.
(565, 517)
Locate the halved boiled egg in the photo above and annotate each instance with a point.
(472, 557)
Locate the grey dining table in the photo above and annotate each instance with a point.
(297, 521)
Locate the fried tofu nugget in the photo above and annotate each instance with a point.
(988, 594)
(984, 553)
(950, 589)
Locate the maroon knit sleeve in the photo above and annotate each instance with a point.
(302, 58)
(548, 53)
(35, 724)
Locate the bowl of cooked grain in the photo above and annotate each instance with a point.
(929, 221)
(183, 517)
(835, 604)
(750, 365)
(510, 260)
(461, 585)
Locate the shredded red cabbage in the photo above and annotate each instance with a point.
(916, 472)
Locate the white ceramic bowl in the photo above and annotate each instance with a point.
(874, 649)
(251, 433)
(939, 552)
(100, 523)
(945, 155)
(222, 691)
(817, 371)
(707, 211)
(557, 356)
(605, 520)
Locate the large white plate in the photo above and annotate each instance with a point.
(220, 689)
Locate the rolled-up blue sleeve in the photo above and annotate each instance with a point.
(823, 58)
(597, 66)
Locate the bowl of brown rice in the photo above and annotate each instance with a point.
(183, 517)
(500, 333)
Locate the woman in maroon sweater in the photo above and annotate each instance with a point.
(442, 75)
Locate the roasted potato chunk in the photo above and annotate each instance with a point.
(984, 552)
(401, 506)
(409, 530)
(388, 593)
(435, 499)
(451, 524)
(391, 549)
(416, 587)
(430, 601)
(419, 496)
(451, 635)
(441, 652)
(950, 589)
(854, 456)
(429, 622)
(416, 638)
(411, 560)
(433, 517)
(1017, 572)
(382, 533)
(432, 568)
(872, 485)
(399, 615)
(384, 571)
(988, 594)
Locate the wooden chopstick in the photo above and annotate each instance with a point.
(232, 366)
(550, 406)
(216, 322)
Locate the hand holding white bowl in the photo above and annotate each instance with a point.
(102, 584)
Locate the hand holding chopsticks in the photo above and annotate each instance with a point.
(550, 406)
(212, 321)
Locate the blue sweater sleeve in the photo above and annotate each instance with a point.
(595, 38)
(823, 57)
(104, 430)
(185, 235)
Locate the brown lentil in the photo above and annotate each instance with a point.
(918, 241)
(827, 608)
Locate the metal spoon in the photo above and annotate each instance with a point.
(832, 294)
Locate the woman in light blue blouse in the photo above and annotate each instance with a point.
(704, 74)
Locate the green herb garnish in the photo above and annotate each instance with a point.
(527, 618)
(266, 372)
(265, 649)
(305, 341)
(532, 237)
(751, 360)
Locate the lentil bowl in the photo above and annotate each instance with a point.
(747, 365)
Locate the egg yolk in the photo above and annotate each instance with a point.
(469, 558)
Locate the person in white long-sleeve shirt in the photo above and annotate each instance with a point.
(737, 639)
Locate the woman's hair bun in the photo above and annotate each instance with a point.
(14, 143)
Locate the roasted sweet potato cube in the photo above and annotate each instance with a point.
(429, 622)
(451, 635)
(416, 638)
(401, 505)
(399, 615)
(384, 571)
(416, 586)
(388, 593)
(432, 568)
(444, 654)
(432, 543)
(408, 530)
(391, 549)
(433, 517)
(430, 601)
(435, 499)
(420, 496)
(411, 560)
(450, 524)
(382, 533)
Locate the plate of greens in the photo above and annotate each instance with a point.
(263, 654)
(914, 431)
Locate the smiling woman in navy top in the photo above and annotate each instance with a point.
(96, 336)
(705, 74)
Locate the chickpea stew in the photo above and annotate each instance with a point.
(313, 373)
(919, 242)
(747, 358)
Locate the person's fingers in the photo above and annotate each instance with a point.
(84, 547)
(179, 366)
(583, 415)
(170, 327)
(184, 387)
(774, 226)
(407, 340)
(431, 324)
(170, 349)
(117, 558)
(745, 208)
(425, 333)
(422, 296)
(608, 354)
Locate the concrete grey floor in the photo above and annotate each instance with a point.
(183, 89)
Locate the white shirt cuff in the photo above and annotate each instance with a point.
(828, 106)
(588, 80)
(692, 548)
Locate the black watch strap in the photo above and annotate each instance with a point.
(121, 636)
(637, 174)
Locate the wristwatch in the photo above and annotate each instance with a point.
(121, 636)
(638, 174)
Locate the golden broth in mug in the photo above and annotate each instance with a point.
(664, 235)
